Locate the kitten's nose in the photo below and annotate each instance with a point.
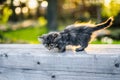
(49, 48)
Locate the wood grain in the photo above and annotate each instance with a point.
(34, 62)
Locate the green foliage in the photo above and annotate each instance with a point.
(111, 9)
(27, 35)
(5, 16)
(1, 36)
(30, 35)
(100, 42)
(42, 21)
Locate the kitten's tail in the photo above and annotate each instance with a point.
(103, 25)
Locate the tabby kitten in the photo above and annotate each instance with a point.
(76, 34)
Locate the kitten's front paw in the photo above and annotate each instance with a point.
(79, 49)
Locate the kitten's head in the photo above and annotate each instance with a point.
(48, 40)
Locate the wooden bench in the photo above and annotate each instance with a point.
(34, 62)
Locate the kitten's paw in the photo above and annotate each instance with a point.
(79, 49)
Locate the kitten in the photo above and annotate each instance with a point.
(79, 34)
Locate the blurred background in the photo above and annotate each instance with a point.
(22, 21)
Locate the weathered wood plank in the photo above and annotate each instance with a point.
(34, 62)
(57, 75)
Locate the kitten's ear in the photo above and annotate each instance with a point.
(56, 35)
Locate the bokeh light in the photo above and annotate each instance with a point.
(16, 2)
(107, 2)
(18, 10)
(15, 15)
(23, 1)
(25, 10)
(32, 4)
(44, 4)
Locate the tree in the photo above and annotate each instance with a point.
(13, 16)
(52, 14)
(2, 1)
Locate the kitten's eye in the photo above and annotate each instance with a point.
(55, 35)
(51, 44)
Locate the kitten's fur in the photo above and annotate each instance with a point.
(73, 35)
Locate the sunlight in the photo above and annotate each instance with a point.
(16, 2)
(107, 40)
(23, 1)
(107, 2)
(24, 10)
(44, 4)
(18, 10)
(32, 4)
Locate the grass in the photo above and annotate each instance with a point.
(30, 35)
(27, 35)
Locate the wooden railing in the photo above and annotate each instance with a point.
(34, 62)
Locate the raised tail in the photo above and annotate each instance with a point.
(103, 25)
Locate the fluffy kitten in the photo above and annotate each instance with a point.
(79, 34)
